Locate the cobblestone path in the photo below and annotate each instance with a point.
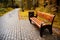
(11, 28)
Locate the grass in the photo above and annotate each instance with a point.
(4, 11)
(23, 15)
(57, 21)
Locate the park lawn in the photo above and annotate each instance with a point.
(23, 15)
(57, 21)
(4, 10)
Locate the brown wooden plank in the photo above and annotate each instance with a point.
(37, 21)
(47, 16)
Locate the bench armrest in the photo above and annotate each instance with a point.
(35, 16)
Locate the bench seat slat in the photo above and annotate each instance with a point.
(37, 21)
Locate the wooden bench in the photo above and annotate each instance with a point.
(42, 25)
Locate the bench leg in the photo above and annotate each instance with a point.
(41, 32)
(30, 20)
(50, 29)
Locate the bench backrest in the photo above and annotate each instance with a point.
(46, 16)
